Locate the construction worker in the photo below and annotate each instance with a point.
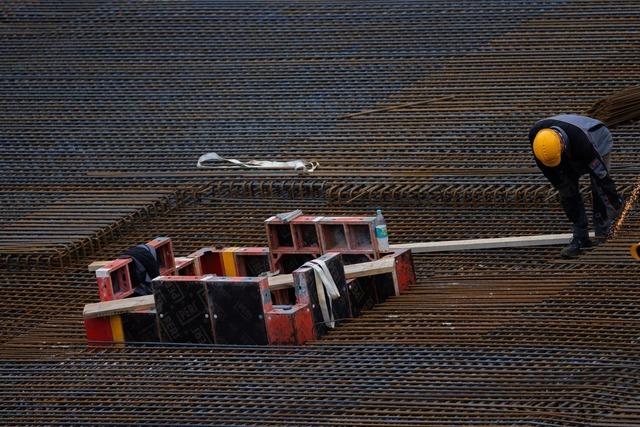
(566, 147)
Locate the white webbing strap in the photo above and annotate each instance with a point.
(298, 165)
(324, 283)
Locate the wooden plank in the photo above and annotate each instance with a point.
(492, 243)
(96, 265)
(281, 281)
(371, 268)
(352, 271)
(119, 306)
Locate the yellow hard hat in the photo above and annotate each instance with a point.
(547, 147)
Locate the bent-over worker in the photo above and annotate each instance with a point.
(566, 147)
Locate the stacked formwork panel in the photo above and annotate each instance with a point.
(304, 238)
(211, 296)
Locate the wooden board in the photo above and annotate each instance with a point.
(493, 243)
(109, 308)
(371, 268)
(380, 266)
(96, 265)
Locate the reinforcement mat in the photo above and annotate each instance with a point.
(106, 107)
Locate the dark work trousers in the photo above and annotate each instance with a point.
(573, 205)
(602, 209)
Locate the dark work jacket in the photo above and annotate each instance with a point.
(143, 269)
(588, 141)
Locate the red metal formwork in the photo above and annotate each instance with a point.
(209, 260)
(98, 330)
(405, 274)
(290, 324)
(349, 236)
(164, 254)
(186, 266)
(114, 280)
(251, 261)
(292, 243)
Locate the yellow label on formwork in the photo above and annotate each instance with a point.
(116, 329)
(229, 261)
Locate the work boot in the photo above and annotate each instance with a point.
(579, 242)
(573, 249)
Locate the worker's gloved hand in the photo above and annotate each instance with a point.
(603, 227)
(609, 188)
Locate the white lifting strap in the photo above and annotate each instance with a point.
(298, 165)
(323, 277)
